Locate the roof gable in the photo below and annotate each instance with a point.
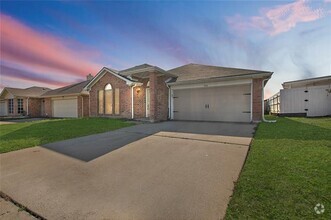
(136, 68)
(102, 72)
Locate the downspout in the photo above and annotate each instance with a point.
(132, 108)
(263, 119)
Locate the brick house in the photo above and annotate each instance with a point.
(190, 92)
(17, 102)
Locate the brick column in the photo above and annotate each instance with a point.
(257, 99)
(153, 96)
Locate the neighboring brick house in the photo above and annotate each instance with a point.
(190, 92)
(68, 101)
(21, 102)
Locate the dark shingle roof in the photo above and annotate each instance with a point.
(34, 91)
(197, 71)
(67, 90)
(139, 67)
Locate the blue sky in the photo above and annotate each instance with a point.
(52, 44)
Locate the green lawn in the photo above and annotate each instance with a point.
(287, 172)
(29, 134)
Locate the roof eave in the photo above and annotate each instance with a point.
(307, 81)
(225, 78)
(61, 95)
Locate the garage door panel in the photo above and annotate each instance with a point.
(228, 103)
(65, 108)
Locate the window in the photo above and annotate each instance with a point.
(100, 101)
(10, 106)
(117, 101)
(20, 106)
(108, 99)
(107, 103)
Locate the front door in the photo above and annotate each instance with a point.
(148, 98)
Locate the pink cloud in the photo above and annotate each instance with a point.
(43, 52)
(278, 19)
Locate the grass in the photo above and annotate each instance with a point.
(30, 134)
(287, 172)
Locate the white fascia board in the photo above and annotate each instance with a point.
(211, 84)
(63, 95)
(135, 84)
(303, 82)
(223, 79)
(64, 98)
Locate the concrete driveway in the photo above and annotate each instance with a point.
(91, 147)
(170, 170)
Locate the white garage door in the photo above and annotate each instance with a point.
(226, 103)
(65, 108)
(3, 108)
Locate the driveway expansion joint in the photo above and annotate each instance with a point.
(20, 206)
(198, 139)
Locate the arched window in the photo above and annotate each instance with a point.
(108, 99)
(108, 87)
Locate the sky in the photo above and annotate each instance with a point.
(56, 43)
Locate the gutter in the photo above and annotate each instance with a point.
(263, 119)
(61, 95)
(222, 78)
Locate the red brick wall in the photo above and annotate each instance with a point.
(257, 99)
(162, 98)
(139, 100)
(86, 109)
(34, 107)
(79, 106)
(83, 106)
(153, 94)
(47, 107)
(125, 95)
(159, 98)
